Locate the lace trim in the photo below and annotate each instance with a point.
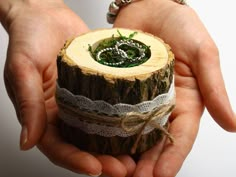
(79, 102)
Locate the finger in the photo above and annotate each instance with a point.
(210, 79)
(11, 95)
(111, 166)
(148, 160)
(26, 85)
(129, 163)
(67, 155)
(183, 128)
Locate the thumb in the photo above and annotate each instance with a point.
(211, 83)
(24, 86)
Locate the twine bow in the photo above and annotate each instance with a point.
(136, 122)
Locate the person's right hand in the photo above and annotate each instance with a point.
(198, 79)
(37, 31)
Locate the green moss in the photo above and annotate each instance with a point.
(112, 58)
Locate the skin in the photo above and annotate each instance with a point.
(37, 31)
(198, 80)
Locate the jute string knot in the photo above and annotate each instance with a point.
(93, 117)
(136, 122)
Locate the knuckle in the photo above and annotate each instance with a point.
(19, 66)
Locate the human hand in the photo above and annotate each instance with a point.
(198, 79)
(37, 31)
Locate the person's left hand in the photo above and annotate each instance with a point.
(198, 80)
(37, 31)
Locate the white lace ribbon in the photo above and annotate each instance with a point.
(80, 103)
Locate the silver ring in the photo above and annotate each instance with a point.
(123, 55)
(118, 51)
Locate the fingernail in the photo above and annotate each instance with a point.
(23, 137)
(95, 175)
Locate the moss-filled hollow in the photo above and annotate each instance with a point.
(120, 52)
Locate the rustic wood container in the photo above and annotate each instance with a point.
(80, 74)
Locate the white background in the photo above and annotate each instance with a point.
(213, 154)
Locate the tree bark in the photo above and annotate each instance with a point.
(79, 73)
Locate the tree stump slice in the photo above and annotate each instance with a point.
(79, 73)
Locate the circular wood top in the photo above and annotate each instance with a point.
(76, 53)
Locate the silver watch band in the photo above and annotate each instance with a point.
(115, 6)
